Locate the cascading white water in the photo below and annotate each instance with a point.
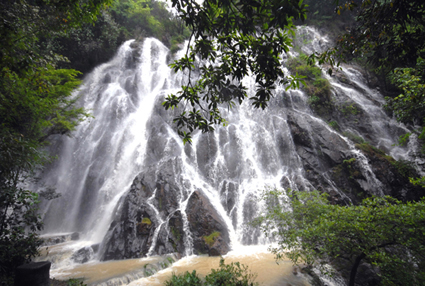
(99, 161)
(231, 166)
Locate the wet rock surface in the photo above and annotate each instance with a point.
(83, 255)
(209, 232)
(56, 239)
(186, 199)
(149, 220)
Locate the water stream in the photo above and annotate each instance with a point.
(131, 133)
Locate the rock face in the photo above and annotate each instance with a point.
(151, 219)
(191, 199)
(209, 234)
(56, 239)
(168, 209)
(83, 255)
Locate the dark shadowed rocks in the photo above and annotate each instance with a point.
(209, 232)
(149, 220)
(34, 274)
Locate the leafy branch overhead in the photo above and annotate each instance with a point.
(231, 40)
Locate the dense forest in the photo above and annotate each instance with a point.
(48, 46)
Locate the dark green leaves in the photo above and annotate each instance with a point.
(35, 102)
(233, 274)
(382, 231)
(234, 39)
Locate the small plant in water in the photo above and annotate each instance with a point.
(75, 282)
(185, 279)
(233, 274)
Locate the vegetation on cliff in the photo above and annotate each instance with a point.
(315, 85)
(383, 232)
(92, 44)
(248, 37)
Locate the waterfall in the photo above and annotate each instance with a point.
(99, 161)
(130, 156)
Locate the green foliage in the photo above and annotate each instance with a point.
(381, 231)
(317, 88)
(148, 18)
(176, 233)
(35, 102)
(18, 245)
(185, 279)
(350, 167)
(350, 109)
(348, 162)
(210, 239)
(24, 23)
(233, 274)
(333, 124)
(406, 168)
(233, 39)
(89, 44)
(388, 34)
(409, 106)
(373, 151)
(75, 282)
(321, 13)
(418, 181)
(38, 103)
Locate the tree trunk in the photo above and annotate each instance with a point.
(354, 269)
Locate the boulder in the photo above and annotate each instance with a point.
(34, 274)
(150, 220)
(83, 255)
(208, 229)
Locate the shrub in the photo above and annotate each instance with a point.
(185, 279)
(75, 282)
(350, 109)
(334, 125)
(233, 274)
(317, 88)
(406, 168)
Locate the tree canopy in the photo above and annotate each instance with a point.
(24, 23)
(230, 40)
(384, 232)
(388, 34)
(36, 101)
(91, 44)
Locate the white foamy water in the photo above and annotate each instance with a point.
(231, 166)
